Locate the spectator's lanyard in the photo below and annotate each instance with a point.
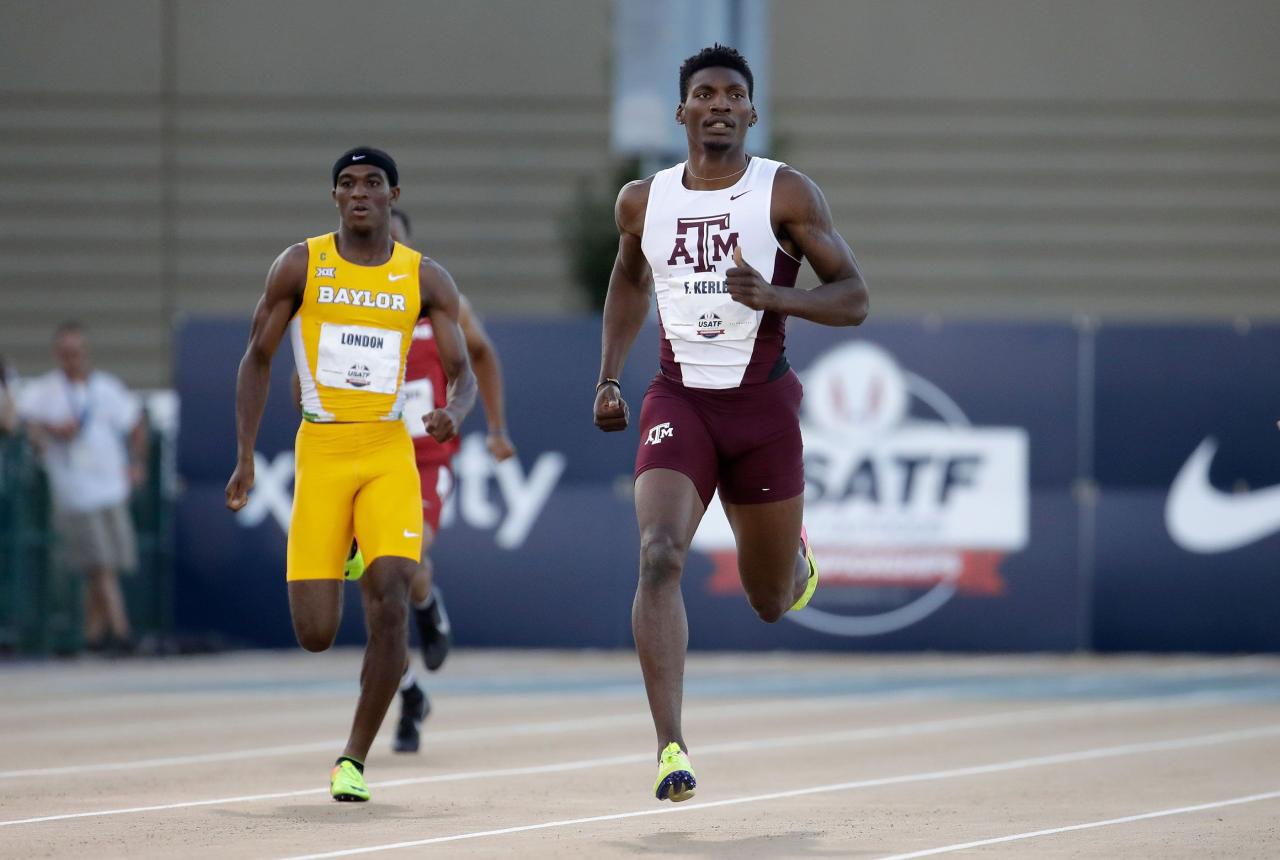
(83, 414)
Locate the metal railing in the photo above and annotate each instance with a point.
(41, 600)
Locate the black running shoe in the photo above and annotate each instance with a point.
(414, 707)
(434, 631)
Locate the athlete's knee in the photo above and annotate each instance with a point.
(315, 637)
(386, 604)
(388, 615)
(661, 558)
(769, 606)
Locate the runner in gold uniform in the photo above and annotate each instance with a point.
(349, 301)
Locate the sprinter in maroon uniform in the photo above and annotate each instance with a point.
(720, 237)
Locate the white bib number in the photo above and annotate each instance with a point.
(359, 358)
(700, 308)
(419, 400)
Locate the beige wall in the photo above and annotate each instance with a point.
(984, 157)
(1029, 158)
(172, 150)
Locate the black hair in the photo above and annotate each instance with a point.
(404, 219)
(68, 327)
(717, 56)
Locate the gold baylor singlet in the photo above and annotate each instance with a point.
(355, 472)
(352, 332)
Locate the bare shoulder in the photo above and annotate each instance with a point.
(433, 270)
(437, 285)
(295, 256)
(289, 271)
(633, 200)
(794, 191)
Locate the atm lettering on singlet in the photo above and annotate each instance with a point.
(326, 295)
(710, 239)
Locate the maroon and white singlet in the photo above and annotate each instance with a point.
(425, 389)
(724, 409)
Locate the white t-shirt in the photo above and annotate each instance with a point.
(92, 470)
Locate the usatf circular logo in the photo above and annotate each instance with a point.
(907, 504)
(710, 325)
(358, 375)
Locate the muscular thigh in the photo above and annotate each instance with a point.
(388, 505)
(768, 540)
(325, 483)
(674, 437)
(762, 451)
(436, 482)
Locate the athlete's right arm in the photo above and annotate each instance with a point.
(626, 305)
(279, 302)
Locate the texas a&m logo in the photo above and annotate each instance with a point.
(658, 432)
(712, 242)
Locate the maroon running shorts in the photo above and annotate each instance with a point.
(744, 440)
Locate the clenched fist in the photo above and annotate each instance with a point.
(440, 424)
(611, 410)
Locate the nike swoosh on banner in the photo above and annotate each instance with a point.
(1203, 519)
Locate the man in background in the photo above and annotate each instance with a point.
(8, 406)
(92, 438)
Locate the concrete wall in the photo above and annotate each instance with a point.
(990, 157)
(1027, 158)
(169, 151)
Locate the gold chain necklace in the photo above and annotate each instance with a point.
(714, 178)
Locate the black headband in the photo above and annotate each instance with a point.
(367, 155)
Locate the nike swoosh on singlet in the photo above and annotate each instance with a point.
(391, 277)
(736, 196)
(1200, 518)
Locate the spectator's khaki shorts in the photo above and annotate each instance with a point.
(101, 538)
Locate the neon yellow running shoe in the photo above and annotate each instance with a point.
(354, 568)
(812, 585)
(346, 782)
(676, 781)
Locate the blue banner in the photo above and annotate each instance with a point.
(1188, 467)
(939, 470)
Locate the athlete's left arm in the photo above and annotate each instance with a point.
(440, 297)
(803, 219)
(488, 370)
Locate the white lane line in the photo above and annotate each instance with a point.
(1181, 810)
(925, 691)
(482, 732)
(871, 733)
(928, 776)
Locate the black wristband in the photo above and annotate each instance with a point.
(608, 380)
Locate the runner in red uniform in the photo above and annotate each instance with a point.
(424, 388)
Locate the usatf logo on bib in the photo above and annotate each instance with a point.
(358, 375)
(710, 325)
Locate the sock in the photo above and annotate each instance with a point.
(408, 680)
(359, 764)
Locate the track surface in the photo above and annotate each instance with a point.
(550, 754)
